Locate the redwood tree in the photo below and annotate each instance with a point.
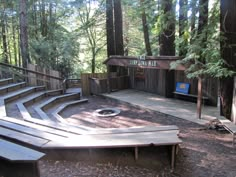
(228, 50)
(24, 33)
(110, 28)
(119, 46)
(145, 29)
(167, 39)
(167, 36)
(183, 19)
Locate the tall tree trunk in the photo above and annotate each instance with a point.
(228, 50)
(4, 36)
(145, 30)
(24, 34)
(167, 36)
(14, 44)
(13, 26)
(110, 28)
(119, 46)
(183, 20)
(203, 15)
(43, 19)
(167, 45)
(8, 39)
(202, 23)
(193, 6)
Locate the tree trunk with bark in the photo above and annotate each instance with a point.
(183, 20)
(167, 45)
(193, 5)
(167, 36)
(110, 28)
(202, 23)
(119, 44)
(145, 30)
(228, 50)
(4, 36)
(24, 34)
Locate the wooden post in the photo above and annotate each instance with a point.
(199, 98)
(173, 157)
(136, 153)
(108, 79)
(233, 112)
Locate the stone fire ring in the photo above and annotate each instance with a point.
(106, 112)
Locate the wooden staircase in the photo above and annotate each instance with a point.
(21, 101)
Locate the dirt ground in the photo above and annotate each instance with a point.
(205, 152)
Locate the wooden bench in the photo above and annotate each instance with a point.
(229, 126)
(121, 140)
(182, 92)
(42, 136)
(17, 160)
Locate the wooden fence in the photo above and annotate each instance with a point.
(85, 81)
(33, 74)
(43, 76)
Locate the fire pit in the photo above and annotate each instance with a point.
(106, 112)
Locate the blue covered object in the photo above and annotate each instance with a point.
(182, 87)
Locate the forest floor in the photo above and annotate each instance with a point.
(204, 152)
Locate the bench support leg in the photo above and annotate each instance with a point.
(173, 154)
(136, 153)
(234, 137)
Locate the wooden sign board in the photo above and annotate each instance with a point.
(161, 62)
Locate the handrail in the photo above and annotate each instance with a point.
(30, 71)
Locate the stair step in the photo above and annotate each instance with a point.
(29, 101)
(41, 108)
(21, 93)
(2, 108)
(37, 97)
(38, 127)
(6, 81)
(49, 103)
(13, 111)
(56, 113)
(60, 126)
(11, 87)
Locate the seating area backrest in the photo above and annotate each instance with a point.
(182, 87)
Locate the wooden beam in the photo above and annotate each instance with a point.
(136, 153)
(108, 78)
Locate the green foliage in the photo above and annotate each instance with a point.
(203, 53)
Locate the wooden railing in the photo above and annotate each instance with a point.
(33, 77)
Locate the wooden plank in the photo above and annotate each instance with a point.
(30, 131)
(38, 127)
(58, 126)
(85, 81)
(31, 76)
(14, 152)
(132, 129)
(56, 113)
(9, 87)
(118, 140)
(2, 108)
(5, 81)
(28, 139)
(17, 94)
(23, 111)
(190, 95)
